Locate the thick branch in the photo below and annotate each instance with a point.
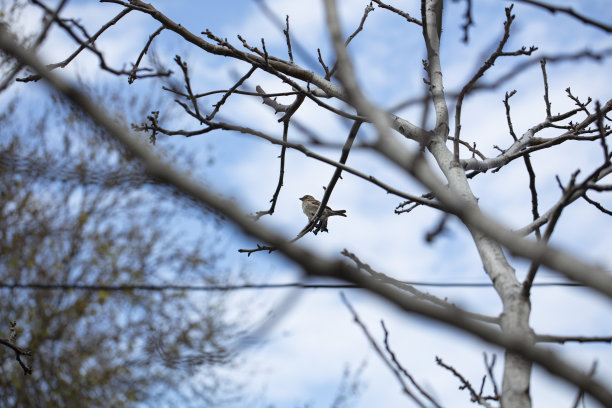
(409, 288)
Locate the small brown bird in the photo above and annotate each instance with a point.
(310, 205)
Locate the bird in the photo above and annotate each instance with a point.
(310, 205)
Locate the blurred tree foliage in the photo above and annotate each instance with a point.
(74, 210)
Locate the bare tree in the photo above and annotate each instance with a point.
(442, 157)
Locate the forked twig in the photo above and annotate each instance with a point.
(499, 52)
(132, 76)
(19, 351)
(380, 353)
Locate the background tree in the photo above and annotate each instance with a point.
(85, 259)
(426, 137)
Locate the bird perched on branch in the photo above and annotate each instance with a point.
(310, 205)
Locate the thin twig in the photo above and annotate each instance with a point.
(19, 351)
(465, 384)
(380, 353)
(490, 372)
(596, 205)
(289, 111)
(535, 214)
(545, 79)
(295, 44)
(398, 12)
(51, 16)
(569, 11)
(570, 193)
(132, 76)
(468, 19)
(237, 91)
(440, 227)
(602, 131)
(508, 117)
(532, 185)
(400, 207)
(402, 369)
(499, 52)
(580, 395)
(516, 70)
(89, 43)
(471, 148)
(286, 31)
(367, 11)
(281, 175)
(325, 68)
(259, 248)
(552, 223)
(190, 95)
(227, 94)
(581, 105)
(265, 52)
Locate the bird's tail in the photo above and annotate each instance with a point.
(339, 212)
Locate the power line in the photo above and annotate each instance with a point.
(225, 288)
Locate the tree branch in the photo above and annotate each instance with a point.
(381, 354)
(569, 11)
(547, 338)
(398, 12)
(465, 384)
(487, 64)
(409, 288)
(316, 265)
(528, 143)
(19, 351)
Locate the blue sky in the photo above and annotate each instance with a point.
(307, 350)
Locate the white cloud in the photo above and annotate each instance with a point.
(320, 337)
